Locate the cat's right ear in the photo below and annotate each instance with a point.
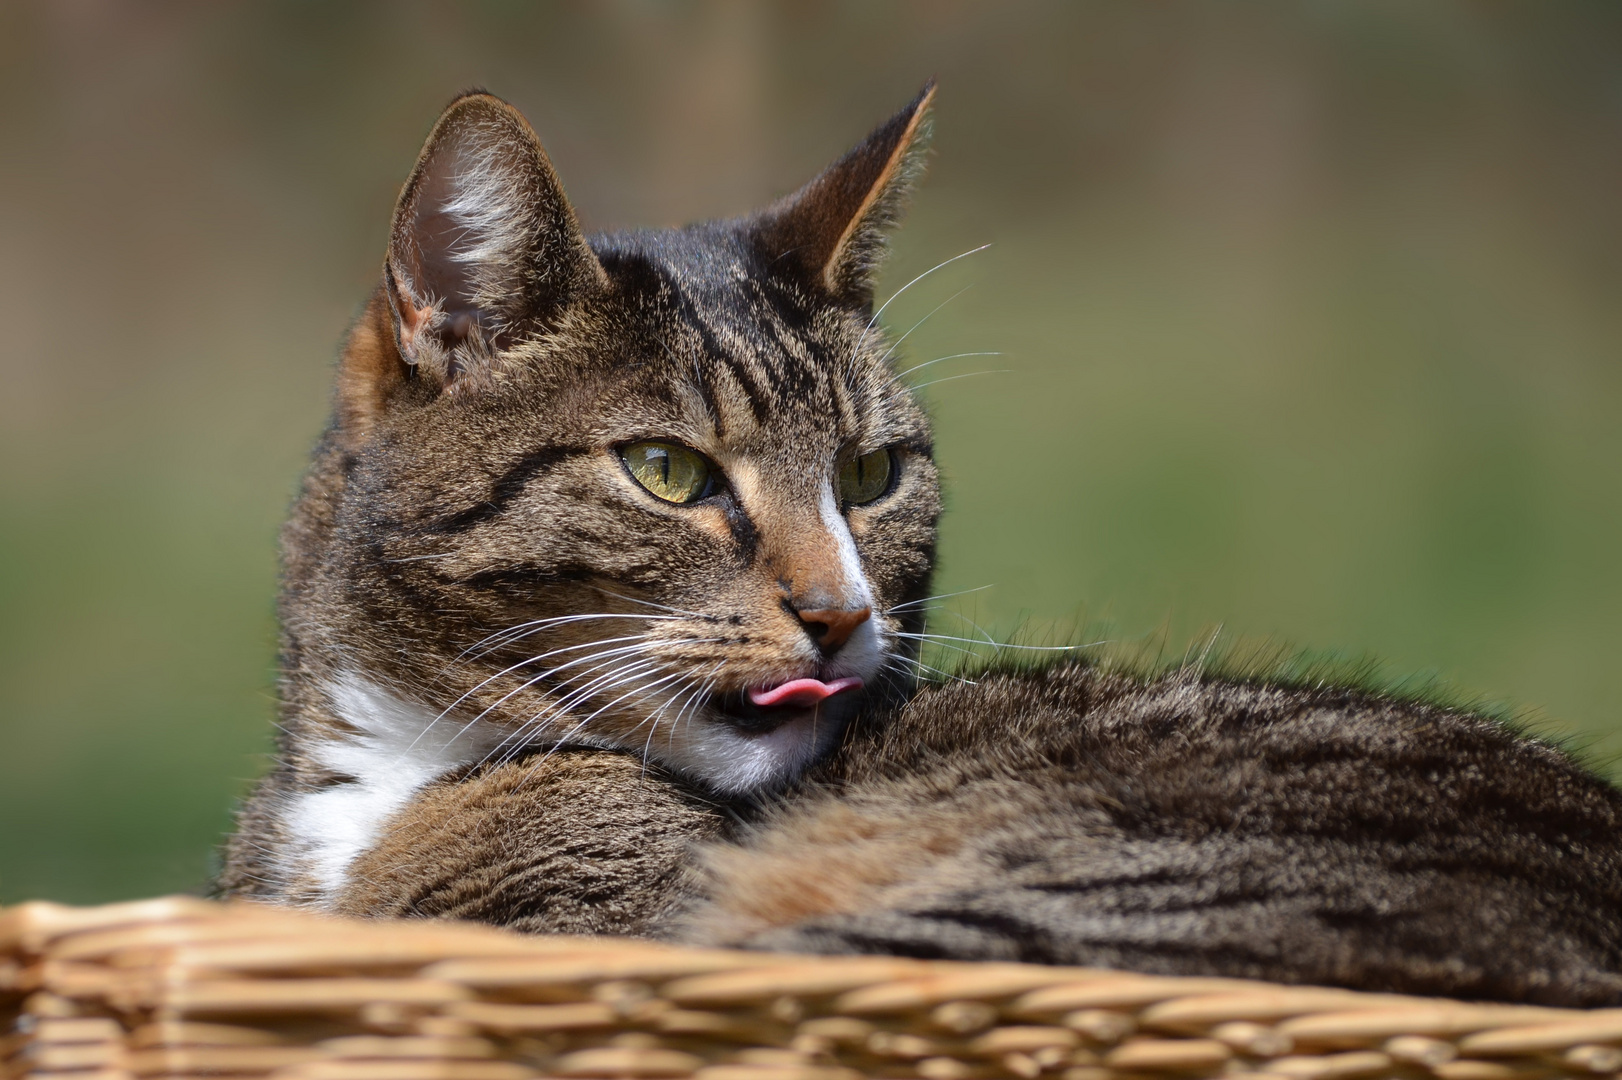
(485, 251)
(834, 228)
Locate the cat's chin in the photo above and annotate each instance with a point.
(736, 758)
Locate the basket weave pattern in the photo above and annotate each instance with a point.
(182, 987)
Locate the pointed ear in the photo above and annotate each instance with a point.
(835, 227)
(485, 247)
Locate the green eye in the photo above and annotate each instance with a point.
(865, 478)
(672, 472)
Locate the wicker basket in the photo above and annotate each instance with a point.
(183, 987)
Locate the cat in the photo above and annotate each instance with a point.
(601, 601)
(657, 491)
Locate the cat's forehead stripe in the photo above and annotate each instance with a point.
(750, 346)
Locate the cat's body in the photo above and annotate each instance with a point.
(612, 541)
(1178, 826)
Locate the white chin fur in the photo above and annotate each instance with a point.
(733, 762)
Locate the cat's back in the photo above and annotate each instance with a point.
(1189, 825)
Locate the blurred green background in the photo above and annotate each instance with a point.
(1309, 314)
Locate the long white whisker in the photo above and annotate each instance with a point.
(860, 341)
(513, 633)
(651, 604)
(530, 682)
(976, 627)
(937, 596)
(941, 644)
(597, 660)
(640, 646)
(920, 665)
(969, 375)
(588, 719)
(616, 676)
(652, 720)
(543, 656)
(941, 360)
(694, 702)
(604, 682)
(1003, 644)
(896, 344)
(653, 717)
(595, 686)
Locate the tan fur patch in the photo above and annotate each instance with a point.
(834, 857)
(371, 369)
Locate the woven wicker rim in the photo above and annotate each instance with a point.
(185, 987)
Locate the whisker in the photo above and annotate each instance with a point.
(896, 344)
(592, 688)
(652, 720)
(940, 360)
(976, 627)
(937, 596)
(573, 695)
(575, 730)
(960, 650)
(530, 682)
(920, 665)
(641, 646)
(860, 341)
(616, 676)
(650, 603)
(694, 702)
(969, 375)
(1003, 644)
(526, 628)
(604, 682)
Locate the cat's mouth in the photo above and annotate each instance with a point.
(766, 708)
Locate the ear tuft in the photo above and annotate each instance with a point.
(485, 247)
(836, 226)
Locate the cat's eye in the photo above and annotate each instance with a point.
(669, 470)
(864, 479)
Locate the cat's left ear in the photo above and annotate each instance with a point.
(485, 248)
(835, 227)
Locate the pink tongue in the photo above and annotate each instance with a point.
(802, 692)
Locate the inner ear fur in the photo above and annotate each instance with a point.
(836, 227)
(484, 251)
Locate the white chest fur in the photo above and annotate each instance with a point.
(396, 747)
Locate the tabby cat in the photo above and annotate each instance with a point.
(598, 612)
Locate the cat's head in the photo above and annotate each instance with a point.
(660, 490)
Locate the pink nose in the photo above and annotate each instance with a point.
(832, 627)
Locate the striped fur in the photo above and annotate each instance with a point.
(1192, 826)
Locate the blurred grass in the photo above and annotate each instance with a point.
(1308, 313)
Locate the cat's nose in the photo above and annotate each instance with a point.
(832, 627)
